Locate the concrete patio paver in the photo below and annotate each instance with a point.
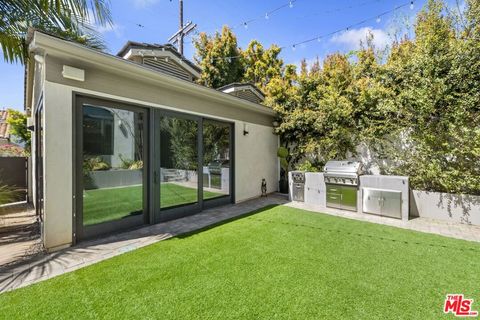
(439, 227)
(19, 236)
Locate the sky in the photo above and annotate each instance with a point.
(300, 21)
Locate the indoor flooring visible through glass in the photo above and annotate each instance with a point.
(101, 205)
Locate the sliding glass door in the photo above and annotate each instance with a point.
(138, 165)
(112, 157)
(178, 161)
(193, 164)
(217, 174)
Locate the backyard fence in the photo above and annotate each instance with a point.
(13, 173)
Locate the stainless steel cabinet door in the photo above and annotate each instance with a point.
(299, 192)
(349, 198)
(392, 204)
(334, 196)
(372, 201)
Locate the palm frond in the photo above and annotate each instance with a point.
(69, 19)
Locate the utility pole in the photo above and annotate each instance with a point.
(180, 35)
(183, 30)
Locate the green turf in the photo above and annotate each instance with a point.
(280, 263)
(101, 205)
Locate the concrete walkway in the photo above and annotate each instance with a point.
(19, 235)
(443, 228)
(86, 253)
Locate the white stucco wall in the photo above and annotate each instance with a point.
(58, 169)
(453, 208)
(255, 158)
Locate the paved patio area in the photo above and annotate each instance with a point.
(443, 228)
(86, 253)
(19, 235)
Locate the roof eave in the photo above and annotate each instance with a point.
(49, 44)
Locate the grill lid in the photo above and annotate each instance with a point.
(343, 168)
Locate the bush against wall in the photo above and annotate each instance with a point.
(417, 105)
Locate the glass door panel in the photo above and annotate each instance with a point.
(113, 142)
(178, 161)
(216, 159)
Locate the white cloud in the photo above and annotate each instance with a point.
(115, 28)
(144, 3)
(353, 37)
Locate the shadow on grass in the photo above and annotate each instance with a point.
(220, 223)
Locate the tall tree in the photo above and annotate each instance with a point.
(67, 18)
(18, 127)
(261, 65)
(219, 57)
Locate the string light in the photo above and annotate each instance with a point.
(378, 19)
(353, 25)
(316, 38)
(411, 5)
(269, 13)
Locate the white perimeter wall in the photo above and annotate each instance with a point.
(255, 158)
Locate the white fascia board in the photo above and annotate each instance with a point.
(66, 49)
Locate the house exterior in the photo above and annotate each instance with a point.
(128, 140)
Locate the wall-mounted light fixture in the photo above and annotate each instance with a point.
(245, 129)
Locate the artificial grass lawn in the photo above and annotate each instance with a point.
(101, 205)
(278, 263)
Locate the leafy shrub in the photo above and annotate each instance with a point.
(307, 166)
(130, 163)
(95, 164)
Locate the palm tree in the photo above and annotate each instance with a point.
(70, 19)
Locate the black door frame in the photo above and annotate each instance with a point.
(38, 132)
(151, 178)
(84, 232)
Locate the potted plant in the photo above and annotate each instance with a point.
(282, 153)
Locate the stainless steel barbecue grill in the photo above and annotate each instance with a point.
(342, 179)
(298, 186)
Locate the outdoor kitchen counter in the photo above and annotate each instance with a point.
(315, 189)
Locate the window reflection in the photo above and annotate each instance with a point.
(216, 159)
(112, 164)
(178, 162)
